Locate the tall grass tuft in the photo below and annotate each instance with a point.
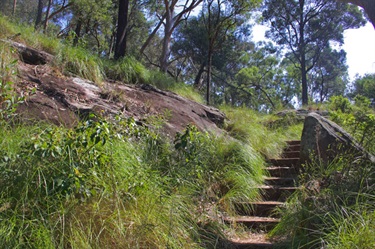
(80, 62)
(335, 209)
(127, 70)
(250, 127)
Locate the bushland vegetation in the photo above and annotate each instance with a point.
(113, 184)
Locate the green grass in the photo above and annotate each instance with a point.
(334, 209)
(118, 186)
(251, 127)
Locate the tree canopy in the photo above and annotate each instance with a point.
(207, 43)
(306, 28)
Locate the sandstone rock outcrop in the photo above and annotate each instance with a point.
(65, 100)
(324, 139)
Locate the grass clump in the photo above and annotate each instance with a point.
(249, 126)
(79, 62)
(127, 70)
(334, 209)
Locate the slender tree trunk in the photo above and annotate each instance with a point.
(39, 14)
(14, 7)
(209, 70)
(168, 28)
(77, 32)
(122, 25)
(197, 81)
(149, 38)
(302, 51)
(47, 15)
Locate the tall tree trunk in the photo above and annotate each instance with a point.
(39, 14)
(47, 15)
(77, 32)
(14, 7)
(122, 25)
(209, 72)
(168, 28)
(302, 52)
(149, 38)
(198, 78)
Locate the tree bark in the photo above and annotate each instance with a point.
(122, 25)
(198, 78)
(168, 29)
(77, 32)
(14, 7)
(39, 14)
(47, 15)
(209, 69)
(302, 50)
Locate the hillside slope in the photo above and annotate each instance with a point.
(64, 100)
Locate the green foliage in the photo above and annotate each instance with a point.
(357, 118)
(9, 99)
(336, 199)
(340, 103)
(365, 86)
(118, 185)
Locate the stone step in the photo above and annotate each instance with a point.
(293, 142)
(260, 208)
(254, 222)
(277, 193)
(285, 162)
(291, 154)
(253, 241)
(294, 147)
(256, 241)
(280, 181)
(281, 171)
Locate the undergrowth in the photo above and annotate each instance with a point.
(117, 185)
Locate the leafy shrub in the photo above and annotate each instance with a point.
(340, 103)
(9, 99)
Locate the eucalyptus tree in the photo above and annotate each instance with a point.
(218, 53)
(365, 86)
(306, 27)
(330, 75)
(122, 26)
(220, 17)
(264, 79)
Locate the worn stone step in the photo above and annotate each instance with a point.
(293, 142)
(252, 241)
(254, 222)
(259, 208)
(281, 171)
(276, 193)
(256, 241)
(293, 147)
(280, 181)
(291, 154)
(285, 162)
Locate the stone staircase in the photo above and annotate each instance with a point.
(260, 217)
